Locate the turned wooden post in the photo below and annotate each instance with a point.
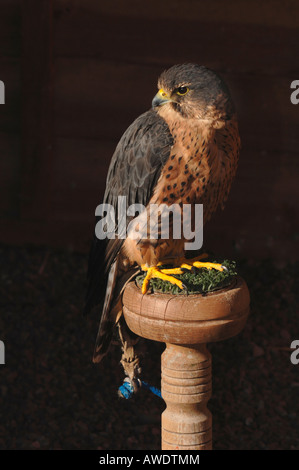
(186, 389)
(186, 324)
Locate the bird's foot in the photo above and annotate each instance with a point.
(164, 274)
(190, 264)
(184, 264)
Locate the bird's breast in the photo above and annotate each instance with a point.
(201, 165)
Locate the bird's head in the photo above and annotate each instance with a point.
(194, 92)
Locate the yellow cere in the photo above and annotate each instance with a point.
(162, 92)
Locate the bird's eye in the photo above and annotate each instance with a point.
(182, 90)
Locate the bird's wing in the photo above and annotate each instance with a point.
(134, 170)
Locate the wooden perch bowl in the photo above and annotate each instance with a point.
(187, 319)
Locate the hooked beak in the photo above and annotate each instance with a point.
(160, 99)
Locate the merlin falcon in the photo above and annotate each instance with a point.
(184, 150)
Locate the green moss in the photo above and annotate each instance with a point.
(197, 281)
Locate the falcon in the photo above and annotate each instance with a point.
(184, 150)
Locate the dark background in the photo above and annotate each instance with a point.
(76, 74)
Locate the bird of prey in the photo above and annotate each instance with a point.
(184, 150)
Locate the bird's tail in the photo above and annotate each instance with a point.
(112, 308)
(107, 321)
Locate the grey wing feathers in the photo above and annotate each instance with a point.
(134, 170)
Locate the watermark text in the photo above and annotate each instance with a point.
(155, 221)
(2, 353)
(295, 354)
(295, 95)
(2, 92)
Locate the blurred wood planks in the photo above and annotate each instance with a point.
(88, 69)
(10, 121)
(37, 109)
(90, 93)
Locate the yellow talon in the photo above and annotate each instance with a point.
(186, 266)
(189, 263)
(163, 274)
(172, 271)
(145, 283)
(199, 264)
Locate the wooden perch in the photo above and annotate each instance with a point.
(186, 324)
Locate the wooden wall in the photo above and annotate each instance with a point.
(77, 74)
(10, 50)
